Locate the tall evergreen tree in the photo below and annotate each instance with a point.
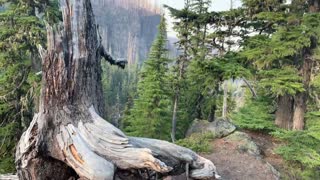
(199, 52)
(183, 28)
(191, 27)
(150, 115)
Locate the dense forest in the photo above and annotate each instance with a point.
(254, 68)
(22, 30)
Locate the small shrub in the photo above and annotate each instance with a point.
(255, 116)
(198, 142)
(302, 148)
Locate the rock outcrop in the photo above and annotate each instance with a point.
(238, 156)
(219, 128)
(245, 143)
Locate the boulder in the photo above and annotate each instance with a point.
(219, 128)
(245, 143)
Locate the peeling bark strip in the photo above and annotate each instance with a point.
(67, 138)
(284, 112)
(75, 154)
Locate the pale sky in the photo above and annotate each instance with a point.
(217, 5)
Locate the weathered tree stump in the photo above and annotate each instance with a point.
(67, 139)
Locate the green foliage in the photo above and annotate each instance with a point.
(7, 164)
(150, 115)
(255, 115)
(8, 138)
(201, 34)
(303, 147)
(198, 142)
(206, 77)
(276, 41)
(119, 87)
(231, 103)
(278, 82)
(279, 49)
(20, 32)
(286, 35)
(313, 125)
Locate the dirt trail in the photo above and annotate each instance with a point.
(234, 164)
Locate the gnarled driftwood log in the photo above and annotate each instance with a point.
(67, 138)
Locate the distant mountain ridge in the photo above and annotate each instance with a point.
(128, 27)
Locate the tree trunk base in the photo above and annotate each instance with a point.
(47, 168)
(89, 147)
(284, 112)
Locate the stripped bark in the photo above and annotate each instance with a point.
(68, 138)
(253, 92)
(225, 100)
(300, 99)
(174, 117)
(284, 112)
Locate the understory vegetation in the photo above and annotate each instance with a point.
(300, 148)
(198, 142)
(21, 31)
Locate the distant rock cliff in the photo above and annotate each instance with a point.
(128, 27)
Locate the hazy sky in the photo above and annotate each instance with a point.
(217, 5)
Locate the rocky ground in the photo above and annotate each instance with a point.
(239, 157)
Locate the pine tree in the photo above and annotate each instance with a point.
(150, 115)
(178, 72)
(199, 52)
(191, 29)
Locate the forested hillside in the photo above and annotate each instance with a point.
(242, 88)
